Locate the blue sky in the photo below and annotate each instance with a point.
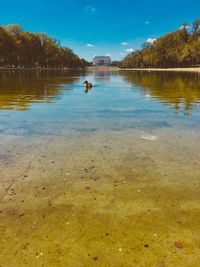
(100, 27)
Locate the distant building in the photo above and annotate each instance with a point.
(102, 61)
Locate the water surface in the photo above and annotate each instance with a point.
(108, 177)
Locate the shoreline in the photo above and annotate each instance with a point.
(110, 69)
(78, 68)
(148, 69)
(164, 69)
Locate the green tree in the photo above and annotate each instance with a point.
(176, 49)
(19, 48)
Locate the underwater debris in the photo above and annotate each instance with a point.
(178, 244)
(160, 264)
(87, 187)
(149, 137)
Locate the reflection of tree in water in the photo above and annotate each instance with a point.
(182, 90)
(18, 89)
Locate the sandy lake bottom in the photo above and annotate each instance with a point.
(85, 194)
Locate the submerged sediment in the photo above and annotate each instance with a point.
(109, 198)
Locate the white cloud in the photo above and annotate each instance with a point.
(129, 50)
(187, 27)
(89, 9)
(124, 43)
(89, 45)
(122, 53)
(108, 55)
(150, 40)
(147, 22)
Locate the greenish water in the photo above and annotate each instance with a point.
(108, 177)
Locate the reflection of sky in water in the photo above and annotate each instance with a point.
(49, 102)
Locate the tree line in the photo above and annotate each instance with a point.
(176, 49)
(23, 49)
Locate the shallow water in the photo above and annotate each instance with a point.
(110, 177)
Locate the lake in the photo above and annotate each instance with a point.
(107, 177)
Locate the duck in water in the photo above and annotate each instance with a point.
(87, 86)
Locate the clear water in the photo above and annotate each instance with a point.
(118, 100)
(108, 177)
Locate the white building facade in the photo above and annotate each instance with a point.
(102, 61)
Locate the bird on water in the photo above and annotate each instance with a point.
(88, 85)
